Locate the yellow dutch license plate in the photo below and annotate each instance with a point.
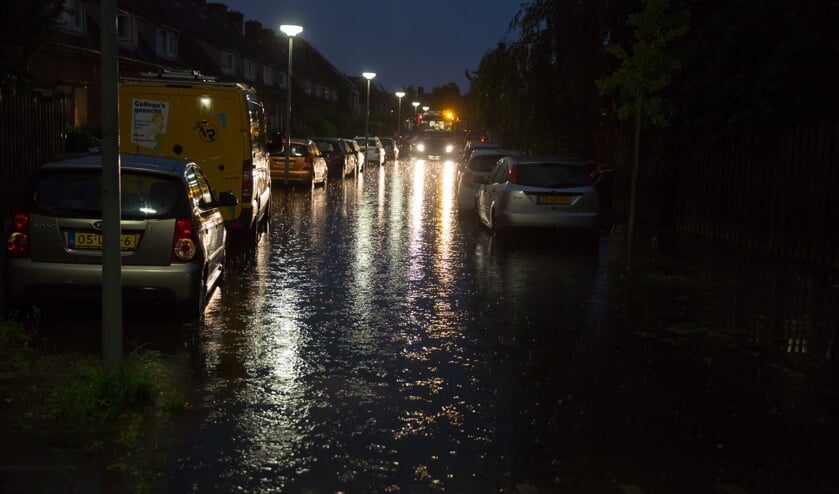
(555, 199)
(88, 240)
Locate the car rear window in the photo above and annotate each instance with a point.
(326, 146)
(78, 194)
(551, 175)
(299, 149)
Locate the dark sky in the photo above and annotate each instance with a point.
(427, 44)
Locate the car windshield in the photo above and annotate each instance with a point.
(78, 194)
(551, 175)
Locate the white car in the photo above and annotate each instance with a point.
(375, 150)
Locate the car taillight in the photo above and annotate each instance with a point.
(185, 241)
(18, 242)
(513, 174)
(307, 163)
(247, 181)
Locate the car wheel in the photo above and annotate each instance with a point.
(194, 309)
(493, 223)
(265, 224)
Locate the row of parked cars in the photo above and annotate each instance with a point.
(312, 161)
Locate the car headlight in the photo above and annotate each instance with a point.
(449, 148)
(421, 147)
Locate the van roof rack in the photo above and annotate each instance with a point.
(179, 75)
(184, 76)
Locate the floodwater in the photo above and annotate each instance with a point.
(377, 340)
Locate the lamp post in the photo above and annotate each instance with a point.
(399, 94)
(291, 31)
(415, 104)
(369, 76)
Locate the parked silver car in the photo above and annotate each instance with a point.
(353, 144)
(539, 192)
(375, 150)
(173, 237)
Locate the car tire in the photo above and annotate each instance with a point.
(194, 309)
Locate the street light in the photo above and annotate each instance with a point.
(369, 76)
(291, 31)
(399, 94)
(416, 106)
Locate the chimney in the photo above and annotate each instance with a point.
(237, 20)
(253, 31)
(219, 9)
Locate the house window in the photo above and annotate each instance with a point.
(250, 70)
(167, 43)
(126, 30)
(268, 75)
(73, 17)
(228, 62)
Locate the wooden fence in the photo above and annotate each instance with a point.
(31, 132)
(774, 192)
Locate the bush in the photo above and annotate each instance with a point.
(80, 139)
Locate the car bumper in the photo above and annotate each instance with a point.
(32, 282)
(294, 176)
(570, 221)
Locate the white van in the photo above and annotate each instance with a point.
(219, 125)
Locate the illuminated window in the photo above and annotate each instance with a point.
(250, 69)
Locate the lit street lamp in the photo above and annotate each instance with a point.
(369, 76)
(399, 94)
(291, 31)
(416, 106)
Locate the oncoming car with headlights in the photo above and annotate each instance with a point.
(434, 145)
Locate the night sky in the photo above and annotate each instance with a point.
(420, 44)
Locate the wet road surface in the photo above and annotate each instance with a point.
(377, 340)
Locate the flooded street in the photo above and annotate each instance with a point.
(377, 340)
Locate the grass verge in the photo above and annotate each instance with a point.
(121, 420)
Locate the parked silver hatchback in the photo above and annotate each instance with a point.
(172, 237)
(523, 192)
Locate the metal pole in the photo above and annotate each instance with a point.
(367, 123)
(112, 338)
(288, 112)
(399, 118)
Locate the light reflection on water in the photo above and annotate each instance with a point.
(358, 349)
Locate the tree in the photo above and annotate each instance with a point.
(24, 28)
(641, 77)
